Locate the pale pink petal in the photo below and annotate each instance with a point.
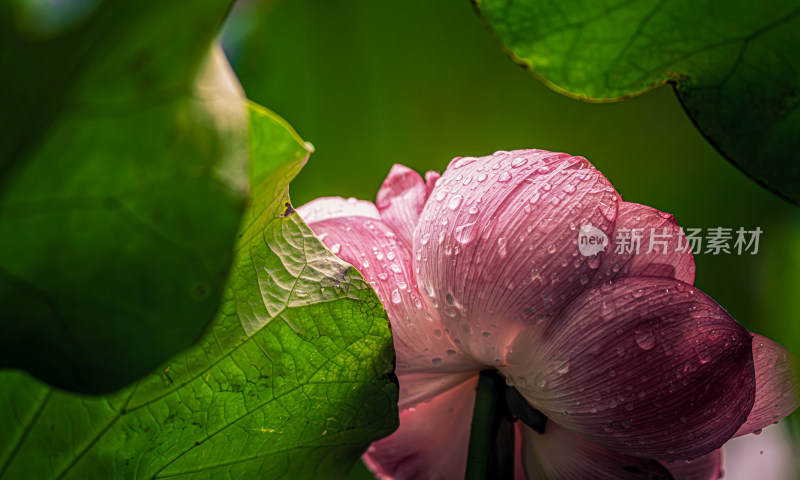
(646, 366)
(660, 251)
(771, 455)
(707, 467)
(430, 180)
(431, 443)
(777, 385)
(336, 207)
(400, 200)
(559, 454)
(497, 244)
(374, 250)
(417, 388)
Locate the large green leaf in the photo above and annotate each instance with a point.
(123, 178)
(292, 380)
(734, 66)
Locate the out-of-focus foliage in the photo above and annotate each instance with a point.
(291, 380)
(734, 65)
(123, 178)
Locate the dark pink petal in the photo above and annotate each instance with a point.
(497, 244)
(662, 247)
(777, 385)
(707, 467)
(646, 366)
(400, 200)
(374, 250)
(326, 208)
(559, 454)
(431, 443)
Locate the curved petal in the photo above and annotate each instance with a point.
(325, 208)
(431, 443)
(372, 247)
(707, 467)
(497, 244)
(769, 455)
(431, 177)
(646, 242)
(400, 200)
(416, 388)
(646, 366)
(777, 385)
(565, 456)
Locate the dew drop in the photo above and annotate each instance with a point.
(481, 177)
(455, 202)
(396, 296)
(396, 268)
(518, 162)
(335, 248)
(501, 242)
(644, 339)
(504, 177)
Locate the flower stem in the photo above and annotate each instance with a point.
(490, 453)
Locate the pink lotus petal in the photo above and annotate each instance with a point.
(416, 388)
(431, 178)
(707, 467)
(777, 385)
(431, 443)
(326, 208)
(559, 454)
(657, 231)
(646, 366)
(496, 246)
(400, 200)
(373, 248)
(771, 455)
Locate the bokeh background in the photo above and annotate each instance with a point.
(375, 82)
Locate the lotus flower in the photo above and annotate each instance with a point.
(639, 374)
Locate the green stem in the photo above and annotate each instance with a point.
(483, 459)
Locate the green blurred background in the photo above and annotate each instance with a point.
(372, 83)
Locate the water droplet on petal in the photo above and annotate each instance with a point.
(502, 252)
(594, 262)
(644, 339)
(461, 162)
(465, 233)
(396, 296)
(335, 248)
(455, 202)
(504, 177)
(481, 177)
(396, 268)
(518, 162)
